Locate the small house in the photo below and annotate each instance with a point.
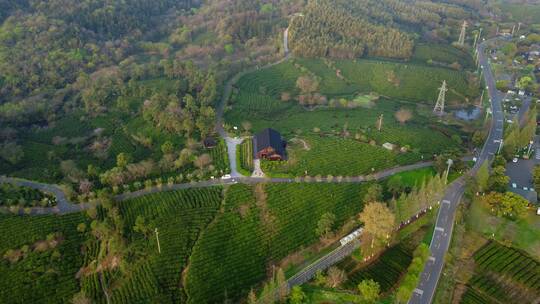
(389, 146)
(209, 143)
(268, 144)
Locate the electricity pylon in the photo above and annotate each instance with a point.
(439, 106)
(461, 40)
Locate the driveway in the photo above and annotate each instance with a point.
(232, 143)
(257, 171)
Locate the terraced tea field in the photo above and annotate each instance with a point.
(503, 275)
(258, 227)
(258, 101)
(180, 217)
(338, 156)
(386, 271)
(49, 274)
(245, 156)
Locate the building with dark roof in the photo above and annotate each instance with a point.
(209, 142)
(268, 144)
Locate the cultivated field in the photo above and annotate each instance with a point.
(259, 226)
(503, 275)
(338, 157)
(180, 217)
(40, 254)
(350, 119)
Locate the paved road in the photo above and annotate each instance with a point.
(65, 206)
(232, 144)
(522, 118)
(429, 278)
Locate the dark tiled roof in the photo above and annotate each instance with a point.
(269, 138)
(209, 142)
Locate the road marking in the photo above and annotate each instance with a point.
(490, 153)
(446, 202)
(439, 229)
(419, 291)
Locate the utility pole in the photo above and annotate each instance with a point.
(439, 106)
(530, 147)
(500, 146)
(476, 39)
(157, 238)
(380, 122)
(481, 99)
(449, 162)
(513, 29)
(461, 40)
(519, 26)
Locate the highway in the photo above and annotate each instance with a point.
(442, 235)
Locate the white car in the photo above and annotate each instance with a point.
(515, 160)
(514, 185)
(226, 176)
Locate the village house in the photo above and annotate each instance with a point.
(268, 144)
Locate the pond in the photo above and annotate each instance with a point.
(469, 113)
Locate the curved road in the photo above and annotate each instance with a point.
(65, 206)
(442, 235)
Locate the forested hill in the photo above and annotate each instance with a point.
(47, 43)
(45, 46)
(382, 28)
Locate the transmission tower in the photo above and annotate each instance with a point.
(462, 34)
(439, 106)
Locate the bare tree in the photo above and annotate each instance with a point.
(202, 161)
(403, 115)
(246, 125)
(307, 85)
(285, 96)
(335, 277)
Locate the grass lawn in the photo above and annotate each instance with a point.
(523, 233)
(522, 12)
(321, 295)
(413, 178)
(440, 53)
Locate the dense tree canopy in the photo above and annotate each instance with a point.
(350, 29)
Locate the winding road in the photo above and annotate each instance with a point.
(65, 206)
(442, 235)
